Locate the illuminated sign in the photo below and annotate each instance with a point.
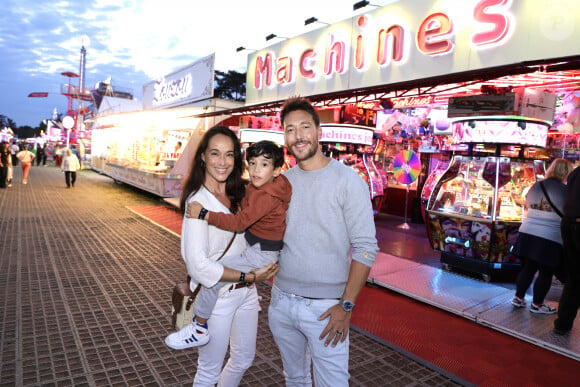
(410, 40)
(500, 131)
(190, 84)
(346, 134)
(409, 102)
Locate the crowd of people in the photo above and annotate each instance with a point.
(13, 153)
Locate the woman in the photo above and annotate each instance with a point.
(70, 166)
(539, 241)
(215, 182)
(25, 156)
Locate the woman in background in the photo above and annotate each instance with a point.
(539, 242)
(26, 157)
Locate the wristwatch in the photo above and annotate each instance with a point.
(347, 305)
(202, 213)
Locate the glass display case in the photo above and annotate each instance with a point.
(477, 204)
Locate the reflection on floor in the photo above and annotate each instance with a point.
(487, 304)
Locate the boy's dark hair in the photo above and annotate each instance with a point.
(298, 103)
(269, 150)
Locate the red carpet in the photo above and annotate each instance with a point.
(470, 351)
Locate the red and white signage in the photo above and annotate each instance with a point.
(413, 39)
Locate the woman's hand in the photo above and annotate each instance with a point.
(266, 272)
(193, 210)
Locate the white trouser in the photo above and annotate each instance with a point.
(234, 322)
(296, 330)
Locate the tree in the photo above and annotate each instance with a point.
(230, 85)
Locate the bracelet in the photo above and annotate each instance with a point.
(254, 274)
(202, 213)
(242, 277)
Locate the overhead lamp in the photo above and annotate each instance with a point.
(242, 48)
(311, 20)
(362, 4)
(272, 36)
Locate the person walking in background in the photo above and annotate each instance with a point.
(4, 157)
(39, 154)
(26, 158)
(330, 216)
(570, 298)
(215, 181)
(58, 150)
(539, 242)
(70, 166)
(44, 154)
(10, 171)
(14, 149)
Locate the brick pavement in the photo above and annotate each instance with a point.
(85, 295)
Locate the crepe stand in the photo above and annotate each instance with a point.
(406, 169)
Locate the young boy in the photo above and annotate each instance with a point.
(262, 215)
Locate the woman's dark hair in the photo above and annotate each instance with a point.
(235, 188)
(269, 150)
(298, 103)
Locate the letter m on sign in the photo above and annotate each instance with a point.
(263, 70)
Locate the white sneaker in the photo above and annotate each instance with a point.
(191, 335)
(542, 309)
(25, 182)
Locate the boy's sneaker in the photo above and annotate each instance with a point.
(542, 309)
(191, 335)
(518, 302)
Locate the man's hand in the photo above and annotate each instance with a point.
(193, 210)
(338, 325)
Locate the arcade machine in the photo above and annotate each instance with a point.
(478, 202)
(353, 145)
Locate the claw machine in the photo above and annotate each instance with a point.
(478, 203)
(354, 145)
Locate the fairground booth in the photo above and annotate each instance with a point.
(151, 148)
(393, 69)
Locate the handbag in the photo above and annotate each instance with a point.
(183, 299)
(556, 210)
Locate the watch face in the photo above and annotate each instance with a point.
(347, 305)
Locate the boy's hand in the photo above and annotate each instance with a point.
(193, 210)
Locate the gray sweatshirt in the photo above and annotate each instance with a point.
(330, 213)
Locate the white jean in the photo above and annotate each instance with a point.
(234, 322)
(296, 330)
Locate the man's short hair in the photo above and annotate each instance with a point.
(298, 103)
(269, 150)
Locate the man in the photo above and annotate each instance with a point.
(315, 291)
(570, 299)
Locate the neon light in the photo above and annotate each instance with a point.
(263, 66)
(306, 60)
(390, 40)
(432, 32)
(284, 71)
(500, 22)
(334, 50)
(388, 44)
(359, 52)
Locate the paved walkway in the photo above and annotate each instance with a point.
(85, 289)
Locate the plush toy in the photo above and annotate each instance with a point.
(572, 124)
